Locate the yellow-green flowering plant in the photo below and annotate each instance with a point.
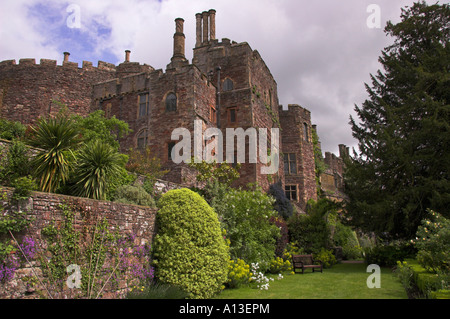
(238, 273)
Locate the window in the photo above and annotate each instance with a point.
(212, 114)
(171, 102)
(291, 192)
(232, 115)
(227, 85)
(290, 164)
(305, 131)
(143, 105)
(170, 146)
(142, 139)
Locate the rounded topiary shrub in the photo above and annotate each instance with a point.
(189, 250)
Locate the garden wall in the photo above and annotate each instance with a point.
(45, 209)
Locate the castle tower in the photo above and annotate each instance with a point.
(298, 155)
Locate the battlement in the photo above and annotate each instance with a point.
(294, 108)
(88, 66)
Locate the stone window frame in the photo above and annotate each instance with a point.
(172, 108)
(227, 85)
(235, 109)
(142, 134)
(287, 167)
(291, 191)
(146, 103)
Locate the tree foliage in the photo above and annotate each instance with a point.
(96, 127)
(401, 168)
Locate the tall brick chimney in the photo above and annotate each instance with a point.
(127, 55)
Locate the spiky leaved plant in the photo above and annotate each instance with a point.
(97, 164)
(57, 138)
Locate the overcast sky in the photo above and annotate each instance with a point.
(320, 52)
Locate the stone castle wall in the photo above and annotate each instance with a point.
(29, 90)
(45, 209)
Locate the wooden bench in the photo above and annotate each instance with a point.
(305, 261)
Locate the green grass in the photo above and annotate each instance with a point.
(342, 281)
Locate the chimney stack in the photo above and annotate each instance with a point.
(212, 24)
(66, 56)
(127, 55)
(205, 17)
(179, 40)
(206, 27)
(198, 42)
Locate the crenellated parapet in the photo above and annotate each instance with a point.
(86, 65)
(29, 90)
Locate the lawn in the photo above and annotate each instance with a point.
(342, 281)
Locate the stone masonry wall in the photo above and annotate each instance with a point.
(45, 209)
(29, 90)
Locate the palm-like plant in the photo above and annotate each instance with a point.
(97, 164)
(57, 138)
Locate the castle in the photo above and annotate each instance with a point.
(227, 85)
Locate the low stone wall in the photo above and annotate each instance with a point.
(46, 209)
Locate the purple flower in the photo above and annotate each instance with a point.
(28, 247)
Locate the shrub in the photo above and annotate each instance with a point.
(310, 232)
(278, 265)
(326, 257)
(282, 204)
(346, 238)
(283, 240)
(433, 243)
(10, 130)
(238, 273)
(405, 274)
(23, 187)
(144, 162)
(245, 214)
(189, 250)
(15, 164)
(223, 173)
(387, 255)
(129, 194)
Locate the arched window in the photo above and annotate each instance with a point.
(142, 139)
(227, 85)
(171, 102)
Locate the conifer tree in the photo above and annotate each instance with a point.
(402, 165)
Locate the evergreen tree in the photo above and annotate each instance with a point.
(401, 168)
